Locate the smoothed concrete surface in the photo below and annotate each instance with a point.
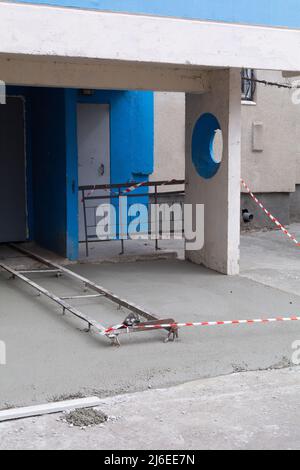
(271, 258)
(254, 410)
(134, 250)
(50, 356)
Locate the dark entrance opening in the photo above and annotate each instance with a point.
(13, 218)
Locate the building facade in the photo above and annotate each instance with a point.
(271, 150)
(199, 48)
(270, 147)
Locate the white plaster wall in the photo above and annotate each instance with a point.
(277, 167)
(169, 138)
(220, 194)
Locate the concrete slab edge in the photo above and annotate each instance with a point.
(132, 258)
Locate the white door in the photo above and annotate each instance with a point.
(93, 131)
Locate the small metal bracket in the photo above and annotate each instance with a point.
(173, 332)
(114, 340)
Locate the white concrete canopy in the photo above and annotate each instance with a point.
(97, 74)
(44, 31)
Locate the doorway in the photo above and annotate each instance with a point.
(13, 211)
(93, 131)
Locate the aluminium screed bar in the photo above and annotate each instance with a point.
(55, 298)
(91, 285)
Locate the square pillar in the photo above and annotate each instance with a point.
(219, 191)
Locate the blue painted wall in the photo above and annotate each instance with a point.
(131, 132)
(52, 156)
(131, 136)
(263, 12)
(71, 175)
(202, 146)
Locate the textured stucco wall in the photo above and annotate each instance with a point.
(295, 205)
(169, 138)
(277, 203)
(277, 167)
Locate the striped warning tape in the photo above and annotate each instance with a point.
(276, 221)
(201, 324)
(90, 193)
(138, 185)
(126, 191)
(133, 187)
(115, 193)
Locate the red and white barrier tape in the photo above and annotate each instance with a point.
(90, 193)
(138, 185)
(132, 188)
(276, 221)
(126, 191)
(114, 193)
(202, 324)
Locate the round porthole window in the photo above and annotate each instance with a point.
(207, 146)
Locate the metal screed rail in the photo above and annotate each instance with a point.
(132, 323)
(98, 291)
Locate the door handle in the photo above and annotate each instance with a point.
(101, 169)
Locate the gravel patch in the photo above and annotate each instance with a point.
(84, 418)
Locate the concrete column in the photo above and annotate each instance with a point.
(221, 193)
